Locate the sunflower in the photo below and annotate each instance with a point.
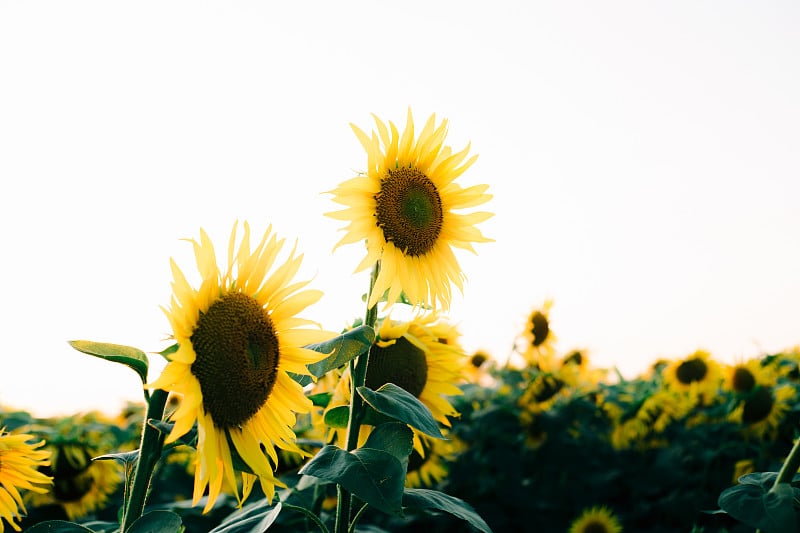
(422, 357)
(81, 486)
(763, 409)
(20, 461)
(743, 376)
(597, 519)
(238, 336)
(698, 374)
(538, 348)
(407, 206)
(429, 468)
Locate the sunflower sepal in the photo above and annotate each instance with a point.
(428, 499)
(401, 405)
(189, 438)
(129, 356)
(375, 476)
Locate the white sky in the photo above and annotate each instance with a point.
(643, 157)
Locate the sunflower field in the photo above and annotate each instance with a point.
(263, 420)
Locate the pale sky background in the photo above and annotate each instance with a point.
(643, 157)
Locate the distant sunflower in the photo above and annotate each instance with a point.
(238, 335)
(744, 376)
(20, 461)
(407, 206)
(419, 356)
(543, 391)
(763, 409)
(539, 340)
(598, 519)
(697, 374)
(80, 486)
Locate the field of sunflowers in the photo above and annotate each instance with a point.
(262, 420)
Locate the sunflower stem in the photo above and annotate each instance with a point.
(358, 373)
(790, 466)
(150, 449)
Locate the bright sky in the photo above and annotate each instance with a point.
(643, 157)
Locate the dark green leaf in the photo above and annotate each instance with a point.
(321, 400)
(337, 417)
(57, 526)
(157, 522)
(131, 357)
(396, 402)
(778, 503)
(375, 476)
(433, 499)
(123, 458)
(251, 518)
(766, 510)
(341, 349)
(395, 438)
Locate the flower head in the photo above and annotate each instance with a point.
(238, 336)
(598, 519)
(20, 461)
(408, 208)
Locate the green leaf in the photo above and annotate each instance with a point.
(189, 438)
(123, 458)
(433, 499)
(58, 526)
(341, 349)
(128, 356)
(766, 510)
(337, 417)
(321, 399)
(252, 517)
(165, 353)
(396, 402)
(395, 438)
(157, 522)
(375, 476)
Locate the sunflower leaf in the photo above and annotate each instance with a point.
(157, 522)
(341, 349)
(58, 526)
(433, 499)
(128, 356)
(766, 510)
(337, 417)
(375, 476)
(246, 520)
(395, 438)
(396, 402)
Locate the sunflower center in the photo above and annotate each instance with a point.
(743, 380)
(400, 363)
(595, 527)
(692, 370)
(477, 359)
(574, 358)
(409, 210)
(71, 477)
(237, 359)
(758, 406)
(540, 328)
(547, 387)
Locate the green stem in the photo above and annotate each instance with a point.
(149, 454)
(356, 517)
(790, 465)
(358, 375)
(310, 515)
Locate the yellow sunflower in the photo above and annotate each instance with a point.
(409, 209)
(539, 340)
(744, 376)
(20, 461)
(80, 486)
(429, 468)
(763, 409)
(422, 357)
(697, 374)
(597, 519)
(238, 335)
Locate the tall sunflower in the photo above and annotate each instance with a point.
(423, 357)
(407, 207)
(238, 335)
(598, 519)
(20, 461)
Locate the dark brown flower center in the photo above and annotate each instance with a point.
(409, 210)
(237, 359)
(547, 386)
(692, 370)
(72, 479)
(758, 406)
(401, 363)
(595, 526)
(477, 359)
(574, 358)
(743, 379)
(540, 328)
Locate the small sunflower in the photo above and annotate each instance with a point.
(20, 461)
(744, 376)
(539, 340)
(419, 356)
(543, 391)
(81, 486)
(597, 519)
(698, 374)
(409, 209)
(763, 409)
(238, 335)
(476, 367)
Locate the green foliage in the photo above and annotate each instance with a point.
(117, 353)
(58, 526)
(395, 402)
(432, 499)
(340, 350)
(157, 522)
